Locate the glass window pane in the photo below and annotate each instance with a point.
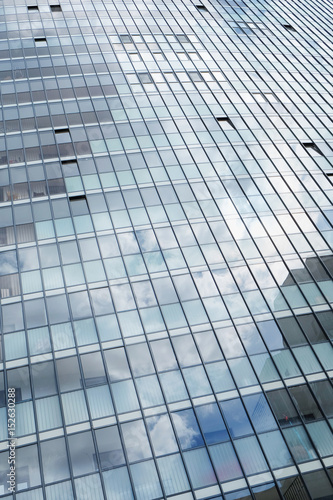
(236, 418)
(109, 447)
(55, 462)
(117, 484)
(146, 482)
(250, 455)
(199, 468)
(275, 449)
(136, 441)
(173, 475)
(162, 435)
(299, 444)
(260, 413)
(187, 429)
(225, 462)
(82, 453)
(211, 423)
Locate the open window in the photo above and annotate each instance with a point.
(225, 122)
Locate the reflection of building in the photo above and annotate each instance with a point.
(166, 249)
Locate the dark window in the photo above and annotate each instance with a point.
(33, 8)
(288, 27)
(55, 8)
(202, 7)
(312, 148)
(225, 122)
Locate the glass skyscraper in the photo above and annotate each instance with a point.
(166, 235)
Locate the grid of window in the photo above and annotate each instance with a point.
(166, 236)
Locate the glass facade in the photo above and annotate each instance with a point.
(166, 236)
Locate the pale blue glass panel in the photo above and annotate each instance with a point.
(83, 224)
(225, 461)
(250, 455)
(173, 474)
(120, 219)
(299, 444)
(15, 345)
(82, 453)
(64, 227)
(114, 268)
(88, 488)
(125, 398)
(146, 482)
(161, 435)
(52, 278)
(195, 312)
(154, 261)
(75, 408)
(130, 323)
(48, 413)
(173, 386)
(134, 265)
(138, 216)
(60, 490)
(294, 296)
(30, 495)
(211, 423)
(3, 425)
(236, 305)
(55, 461)
(85, 332)
(327, 289)
(312, 293)
(275, 449)
(152, 319)
(25, 419)
(174, 258)
(255, 302)
(199, 468)
(29, 470)
(215, 309)
(73, 274)
(187, 429)
(236, 418)
(149, 391)
(325, 353)
(45, 230)
(259, 412)
(107, 327)
(31, 282)
(220, 377)
(136, 441)
(275, 299)
(100, 402)
(102, 221)
(197, 381)
(62, 336)
(286, 364)
(94, 271)
(322, 437)
(306, 359)
(117, 484)
(264, 368)
(242, 372)
(173, 316)
(39, 340)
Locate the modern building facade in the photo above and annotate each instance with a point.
(166, 235)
